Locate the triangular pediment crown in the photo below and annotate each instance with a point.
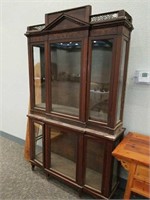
(65, 22)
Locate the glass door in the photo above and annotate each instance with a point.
(65, 77)
(63, 152)
(101, 64)
(38, 142)
(39, 75)
(94, 162)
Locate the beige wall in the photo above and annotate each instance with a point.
(14, 91)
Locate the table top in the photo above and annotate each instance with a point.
(134, 147)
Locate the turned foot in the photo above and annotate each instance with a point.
(32, 167)
(80, 192)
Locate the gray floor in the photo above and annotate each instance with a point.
(18, 181)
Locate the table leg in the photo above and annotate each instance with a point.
(129, 181)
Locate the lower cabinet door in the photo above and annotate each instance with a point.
(94, 162)
(63, 152)
(37, 142)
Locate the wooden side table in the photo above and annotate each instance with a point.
(134, 154)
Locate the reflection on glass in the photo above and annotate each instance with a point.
(39, 75)
(65, 65)
(38, 142)
(120, 84)
(100, 79)
(63, 152)
(94, 164)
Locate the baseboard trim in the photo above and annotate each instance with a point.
(12, 137)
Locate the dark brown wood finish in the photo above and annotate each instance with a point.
(86, 144)
(81, 13)
(84, 60)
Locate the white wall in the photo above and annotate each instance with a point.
(14, 94)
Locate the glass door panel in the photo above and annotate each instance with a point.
(39, 75)
(38, 134)
(115, 174)
(100, 79)
(94, 164)
(64, 152)
(121, 79)
(65, 69)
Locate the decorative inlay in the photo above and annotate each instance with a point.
(39, 28)
(99, 18)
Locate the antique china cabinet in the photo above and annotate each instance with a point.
(77, 70)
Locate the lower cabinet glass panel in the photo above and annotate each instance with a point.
(94, 164)
(38, 142)
(64, 152)
(115, 174)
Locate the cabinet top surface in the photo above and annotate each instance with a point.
(134, 147)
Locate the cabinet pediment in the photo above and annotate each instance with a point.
(65, 22)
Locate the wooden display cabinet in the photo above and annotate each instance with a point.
(77, 70)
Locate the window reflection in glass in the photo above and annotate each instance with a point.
(39, 75)
(63, 152)
(100, 79)
(65, 66)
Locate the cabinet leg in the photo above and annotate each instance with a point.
(47, 176)
(32, 167)
(80, 192)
